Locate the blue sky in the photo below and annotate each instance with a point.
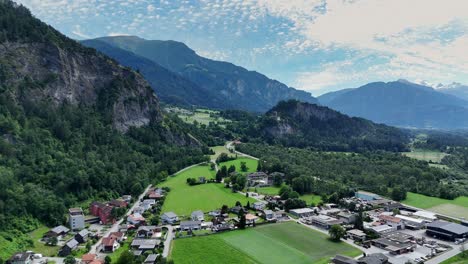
(313, 45)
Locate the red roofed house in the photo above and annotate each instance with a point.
(118, 235)
(110, 244)
(392, 221)
(88, 258)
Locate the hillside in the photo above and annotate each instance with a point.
(171, 88)
(74, 126)
(403, 104)
(246, 90)
(455, 89)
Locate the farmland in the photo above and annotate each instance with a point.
(455, 208)
(201, 116)
(426, 155)
(183, 199)
(277, 243)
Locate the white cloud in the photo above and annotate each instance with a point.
(79, 33)
(150, 8)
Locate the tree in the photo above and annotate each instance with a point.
(212, 166)
(242, 220)
(69, 260)
(224, 209)
(277, 180)
(294, 203)
(53, 241)
(359, 222)
(231, 169)
(336, 232)
(88, 246)
(398, 194)
(243, 166)
(219, 176)
(248, 205)
(125, 258)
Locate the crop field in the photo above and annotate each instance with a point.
(455, 208)
(184, 199)
(426, 155)
(251, 164)
(276, 243)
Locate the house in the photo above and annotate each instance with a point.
(356, 234)
(366, 196)
(269, 215)
(76, 218)
(57, 232)
(376, 258)
(127, 198)
(103, 211)
(259, 205)
(82, 236)
(197, 216)
(169, 218)
(119, 236)
(447, 230)
(88, 258)
(259, 179)
(151, 259)
(136, 219)
(236, 209)
(411, 223)
(21, 258)
(144, 244)
(222, 227)
(250, 219)
(139, 210)
(302, 212)
(157, 193)
(147, 231)
(190, 225)
(118, 203)
(201, 180)
(215, 213)
(392, 221)
(67, 249)
(148, 203)
(109, 244)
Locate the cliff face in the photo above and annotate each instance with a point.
(78, 76)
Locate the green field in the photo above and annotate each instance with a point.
(42, 248)
(184, 199)
(202, 116)
(251, 164)
(458, 259)
(455, 208)
(218, 150)
(308, 198)
(276, 243)
(426, 155)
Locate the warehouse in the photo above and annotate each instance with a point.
(447, 230)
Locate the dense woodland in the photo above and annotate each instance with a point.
(325, 173)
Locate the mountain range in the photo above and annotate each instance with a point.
(220, 85)
(401, 103)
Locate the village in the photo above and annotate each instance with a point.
(384, 231)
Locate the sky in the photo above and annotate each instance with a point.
(313, 45)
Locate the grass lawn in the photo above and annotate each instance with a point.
(184, 199)
(251, 164)
(426, 155)
(456, 208)
(458, 259)
(202, 116)
(218, 150)
(123, 247)
(276, 243)
(309, 198)
(40, 247)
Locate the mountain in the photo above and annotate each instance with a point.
(246, 90)
(455, 89)
(299, 124)
(328, 97)
(402, 103)
(171, 88)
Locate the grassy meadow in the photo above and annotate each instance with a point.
(276, 243)
(455, 208)
(184, 199)
(271, 190)
(426, 155)
(251, 164)
(458, 259)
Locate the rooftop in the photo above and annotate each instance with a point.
(302, 210)
(450, 227)
(170, 214)
(75, 211)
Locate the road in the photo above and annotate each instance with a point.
(115, 226)
(229, 145)
(455, 251)
(167, 243)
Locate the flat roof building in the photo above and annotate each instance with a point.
(447, 230)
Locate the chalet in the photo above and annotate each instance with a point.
(190, 225)
(250, 219)
(144, 244)
(139, 210)
(197, 216)
(157, 194)
(109, 244)
(21, 258)
(269, 215)
(147, 231)
(118, 203)
(57, 232)
(148, 203)
(215, 213)
(151, 259)
(169, 218)
(88, 258)
(67, 249)
(302, 212)
(259, 205)
(136, 219)
(222, 227)
(236, 209)
(82, 236)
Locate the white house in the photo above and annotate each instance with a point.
(169, 218)
(198, 216)
(259, 205)
(135, 219)
(148, 203)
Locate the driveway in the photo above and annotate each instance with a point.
(169, 238)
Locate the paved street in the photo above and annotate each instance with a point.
(169, 238)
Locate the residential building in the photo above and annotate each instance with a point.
(215, 213)
(119, 236)
(259, 205)
(151, 259)
(190, 225)
(447, 230)
(67, 249)
(109, 244)
(169, 218)
(82, 236)
(57, 232)
(139, 210)
(147, 231)
(118, 203)
(76, 218)
(250, 219)
(302, 212)
(148, 203)
(236, 209)
(103, 211)
(88, 258)
(269, 215)
(127, 198)
(323, 221)
(21, 258)
(356, 234)
(136, 219)
(258, 178)
(366, 196)
(197, 216)
(145, 244)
